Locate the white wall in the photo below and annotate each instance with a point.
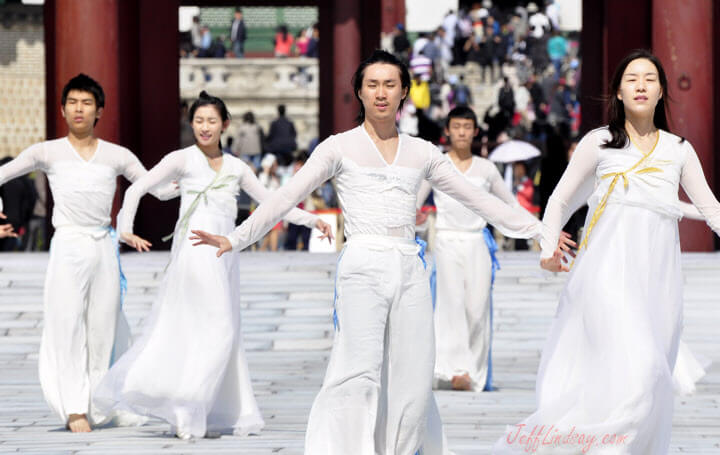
(427, 15)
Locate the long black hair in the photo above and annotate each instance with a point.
(379, 56)
(616, 108)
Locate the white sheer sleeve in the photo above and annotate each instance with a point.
(322, 165)
(252, 186)
(696, 187)
(570, 191)
(511, 221)
(133, 170)
(500, 189)
(168, 169)
(423, 193)
(30, 159)
(690, 212)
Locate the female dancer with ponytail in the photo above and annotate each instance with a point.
(189, 367)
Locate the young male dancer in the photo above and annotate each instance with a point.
(377, 394)
(84, 327)
(465, 262)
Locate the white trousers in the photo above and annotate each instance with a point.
(82, 311)
(462, 307)
(377, 392)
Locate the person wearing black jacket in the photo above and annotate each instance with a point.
(281, 140)
(238, 34)
(19, 197)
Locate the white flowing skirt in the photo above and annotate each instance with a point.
(189, 366)
(605, 380)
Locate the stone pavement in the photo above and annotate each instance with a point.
(287, 325)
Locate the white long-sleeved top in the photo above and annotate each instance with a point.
(378, 198)
(653, 184)
(451, 214)
(82, 190)
(190, 169)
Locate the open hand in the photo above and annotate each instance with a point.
(6, 230)
(326, 229)
(218, 241)
(135, 241)
(557, 262)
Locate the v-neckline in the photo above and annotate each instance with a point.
(466, 171)
(652, 150)
(207, 162)
(79, 156)
(377, 150)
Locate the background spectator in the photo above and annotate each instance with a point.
(281, 140)
(238, 34)
(283, 42)
(250, 139)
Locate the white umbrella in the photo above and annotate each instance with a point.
(511, 151)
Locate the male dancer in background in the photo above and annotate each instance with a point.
(84, 328)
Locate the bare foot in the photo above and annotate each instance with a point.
(462, 382)
(78, 423)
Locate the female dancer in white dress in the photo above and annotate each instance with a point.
(377, 394)
(189, 366)
(605, 379)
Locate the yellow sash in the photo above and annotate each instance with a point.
(615, 177)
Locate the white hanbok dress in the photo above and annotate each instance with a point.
(605, 380)
(189, 366)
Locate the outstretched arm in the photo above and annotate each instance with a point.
(500, 189)
(572, 188)
(511, 221)
(321, 166)
(168, 169)
(693, 181)
(690, 212)
(30, 159)
(252, 186)
(133, 170)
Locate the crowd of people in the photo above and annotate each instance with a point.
(527, 70)
(199, 41)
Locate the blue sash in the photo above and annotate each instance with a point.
(123, 280)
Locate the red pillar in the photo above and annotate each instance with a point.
(158, 101)
(682, 40)
(347, 50)
(393, 13)
(84, 39)
(82, 36)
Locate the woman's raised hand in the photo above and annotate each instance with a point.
(218, 241)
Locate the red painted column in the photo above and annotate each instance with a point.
(82, 36)
(85, 40)
(393, 13)
(682, 39)
(158, 101)
(347, 47)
